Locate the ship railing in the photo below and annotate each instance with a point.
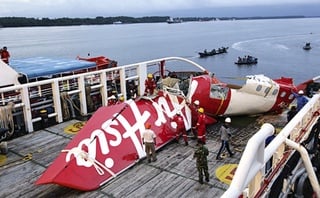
(34, 96)
(251, 178)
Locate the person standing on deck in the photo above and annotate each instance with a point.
(291, 113)
(181, 129)
(225, 135)
(201, 154)
(120, 100)
(268, 164)
(112, 100)
(194, 107)
(301, 99)
(131, 90)
(201, 125)
(149, 140)
(150, 85)
(5, 55)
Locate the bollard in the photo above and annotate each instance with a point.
(44, 118)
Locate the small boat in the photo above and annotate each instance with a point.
(174, 20)
(117, 22)
(307, 46)
(213, 52)
(247, 60)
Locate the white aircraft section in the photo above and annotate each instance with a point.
(258, 95)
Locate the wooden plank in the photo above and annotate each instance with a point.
(174, 174)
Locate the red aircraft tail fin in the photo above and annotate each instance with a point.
(110, 141)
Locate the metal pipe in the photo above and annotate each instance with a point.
(308, 165)
(291, 181)
(250, 162)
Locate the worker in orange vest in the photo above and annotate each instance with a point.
(201, 125)
(150, 85)
(194, 107)
(181, 129)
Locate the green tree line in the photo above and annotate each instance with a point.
(99, 20)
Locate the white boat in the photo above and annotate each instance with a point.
(174, 20)
(117, 22)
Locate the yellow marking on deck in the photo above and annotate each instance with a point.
(3, 159)
(27, 157)
(226, 172)
(74, 128)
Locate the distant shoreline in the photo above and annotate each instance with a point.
(43, 22)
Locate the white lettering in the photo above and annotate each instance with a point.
(90, 144)
(139, 125)
(131, 124)
(106, 126)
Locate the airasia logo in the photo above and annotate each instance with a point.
(109, 127)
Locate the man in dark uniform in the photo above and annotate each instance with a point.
(301, 99)
(291, 113)
(201, 154)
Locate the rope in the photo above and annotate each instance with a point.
(6, 117)
(65, 110)
(65, 98)
(88, 97)
(96, 164)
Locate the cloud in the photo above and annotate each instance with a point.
(92, 8)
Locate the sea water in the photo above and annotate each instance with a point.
(277, 44)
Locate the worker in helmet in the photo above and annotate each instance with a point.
(225, 135)
(201, 125)
(150, 85)
(181, 129)
(120, 100)
(301, 99)
(112, 100)
(194, 107)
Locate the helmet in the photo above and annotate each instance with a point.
(178, 113)
(227, 120)
(301, 92)
(196, 102)
(201, 110)
(113, 97)
(147, 125)
(121, 98)
(150, 76)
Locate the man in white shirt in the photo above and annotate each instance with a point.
(149, 140)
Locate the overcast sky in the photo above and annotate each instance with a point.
(175, 8)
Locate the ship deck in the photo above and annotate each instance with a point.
(174, 174)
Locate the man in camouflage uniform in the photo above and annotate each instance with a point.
(201, 154)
